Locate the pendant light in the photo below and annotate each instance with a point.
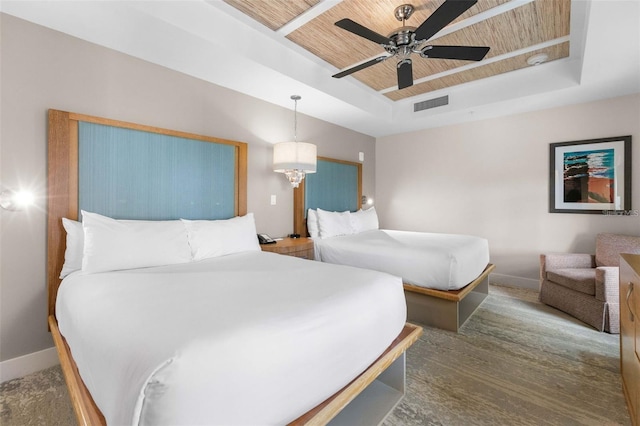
(294, 159)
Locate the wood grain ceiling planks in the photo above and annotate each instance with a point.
(513, 63)
(272, 13)
(341, 48)
(523, 27)
(516, 29)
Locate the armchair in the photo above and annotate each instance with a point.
(586, 286)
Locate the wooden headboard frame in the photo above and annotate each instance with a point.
(63, 181)
(299, 208)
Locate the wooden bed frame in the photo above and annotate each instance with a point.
(382, 383)
(369, 397)
(447, 310)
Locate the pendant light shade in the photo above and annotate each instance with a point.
(294, 159)
(294, 155)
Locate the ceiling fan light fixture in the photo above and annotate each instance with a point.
(537, 59)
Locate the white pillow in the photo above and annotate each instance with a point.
(111, 245)
(364, 220)
(213, 238)
(75, 244)
(312, 223)
(332, 224)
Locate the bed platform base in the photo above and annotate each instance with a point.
(367, 400)
(447, 310)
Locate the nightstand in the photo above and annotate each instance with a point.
(296, 247)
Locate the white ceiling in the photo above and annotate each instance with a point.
(212, 41)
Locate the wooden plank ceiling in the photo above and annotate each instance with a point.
(513, 34)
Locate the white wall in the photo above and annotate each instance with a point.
(42, 69)
(491, 178)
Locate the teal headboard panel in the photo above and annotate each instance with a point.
(132, 174)
(333, 187)
(336, 186)
(135, 171)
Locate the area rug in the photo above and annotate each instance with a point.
(515, 362)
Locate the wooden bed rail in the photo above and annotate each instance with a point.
(326, 411)
(87, 412)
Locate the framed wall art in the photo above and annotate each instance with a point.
(590, 176)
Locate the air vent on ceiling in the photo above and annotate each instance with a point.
(431, 103)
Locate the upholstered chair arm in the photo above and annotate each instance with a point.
(607, 284)
(553, 261)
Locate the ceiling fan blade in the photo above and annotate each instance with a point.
(466, 53)
(405, 74)
(359, 67)
(357, 29)
(446, 13)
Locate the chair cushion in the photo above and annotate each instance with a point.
(578, 279)
(609, 247)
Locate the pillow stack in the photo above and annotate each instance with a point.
(325, 224)
(213, 238)
(101, 244)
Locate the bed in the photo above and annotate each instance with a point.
(445, 275)
(429, 260)
(166, 321)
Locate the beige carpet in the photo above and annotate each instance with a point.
(37, 399)
(515, 362)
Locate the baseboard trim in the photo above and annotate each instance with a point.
(513, 281)
(27, 364)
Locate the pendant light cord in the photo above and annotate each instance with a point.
(295, 98)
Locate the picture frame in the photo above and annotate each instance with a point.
(590, 176)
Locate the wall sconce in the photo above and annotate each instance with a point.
(366, 201)
(15, 200)
(294, 159)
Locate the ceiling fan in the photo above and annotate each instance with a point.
(406, 40)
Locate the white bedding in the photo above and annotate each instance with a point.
(248, 338)
(438, 261)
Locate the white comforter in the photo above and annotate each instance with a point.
(250, 338)
(438, 261)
